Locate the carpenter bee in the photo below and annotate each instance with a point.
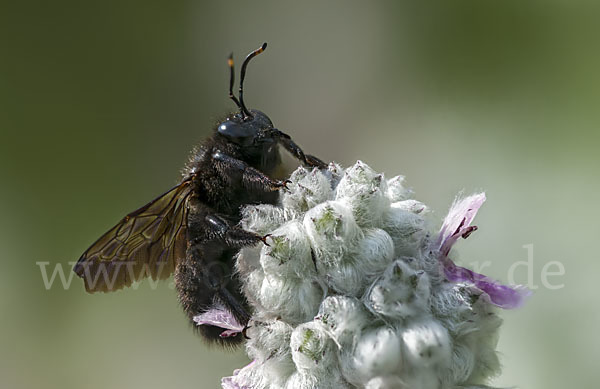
(192, 230)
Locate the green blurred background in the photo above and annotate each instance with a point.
(101, 101)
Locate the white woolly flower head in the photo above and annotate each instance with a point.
(355, 291)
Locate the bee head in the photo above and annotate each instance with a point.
(246, 130)
(248, 127)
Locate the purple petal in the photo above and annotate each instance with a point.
(458, 224)
(229, 333)
(230, 383)
(220, 317)
(458, 221)
(227, 383)
(502, 296)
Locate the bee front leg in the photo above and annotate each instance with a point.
(309, 160)
(232, 170)
(234, 236)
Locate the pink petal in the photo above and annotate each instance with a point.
(458, 221)
(458, 224)
(229, 382)
(503, 296)
(220, 317)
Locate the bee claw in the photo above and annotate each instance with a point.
(264, 240)
(283, 185)
(244, 332)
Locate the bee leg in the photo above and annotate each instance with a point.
(205, 226)
(309, 160)
(193, 282)
(313, 161)
(232, 170)
(204, 282)
(234, 236)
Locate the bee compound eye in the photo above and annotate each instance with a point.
(231, 129)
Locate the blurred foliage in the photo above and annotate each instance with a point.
(100, 102)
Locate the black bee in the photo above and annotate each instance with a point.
(192, 230)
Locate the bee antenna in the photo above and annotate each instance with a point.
(231, 80)
(253, 54)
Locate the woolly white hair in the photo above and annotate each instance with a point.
(350, 293)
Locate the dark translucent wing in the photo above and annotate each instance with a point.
(147, 242)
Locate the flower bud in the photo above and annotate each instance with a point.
(364, 192)
(268, 339)
(343, 316)
(374, 252)
(288, 253)
(332, 230)
(312, 349)
(346, 278)
(396, 191)
(400, 293)
(252, 285)
(407, 229)
(413, 206)
(264, 218)
(462, 363)
(426, 344)
(377, 352)
(295, 301)
(308, 188)
(268, 344)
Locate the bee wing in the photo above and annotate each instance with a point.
(147, 242)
